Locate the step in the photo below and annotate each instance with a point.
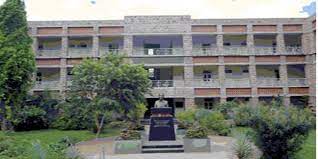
(163, 150)
(161, 146)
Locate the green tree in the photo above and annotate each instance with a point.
(17, 62)
(109, 84)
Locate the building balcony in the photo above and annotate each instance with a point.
(265, 50)
(167, 83)
(79, 52)
(206, 83)
(297, 82)
(205, 51)
(293, 50)
(157, 51)
(48, 52)
(105, 51)
(235, 50)
(47, 84)
(269, 82)
(237, 82)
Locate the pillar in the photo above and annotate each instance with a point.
(280, 39)
(253, 80)
(128, 45)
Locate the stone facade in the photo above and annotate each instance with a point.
(184, 26)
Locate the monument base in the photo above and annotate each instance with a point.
(161, 129)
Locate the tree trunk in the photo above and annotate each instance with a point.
(99, 125)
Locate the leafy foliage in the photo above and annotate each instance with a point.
(243, 148)
(129, 134)
(196, 132)
(17, 62)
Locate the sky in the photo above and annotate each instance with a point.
(198, 9)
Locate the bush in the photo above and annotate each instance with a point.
(196, 132)
(130, 135)
(31, 118)
(243, 148)
(215, 121)
(243, 114)
(10, 148)
(280, 130)
(118, 124)
(227, 108)
(186, 118)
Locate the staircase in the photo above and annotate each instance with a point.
(162, 147)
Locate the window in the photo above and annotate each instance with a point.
(207, 75)
(38, 77)
(245, 71)
(228, 71)
(208, 103)
(83, 45)
(227, 44)
(151, 72)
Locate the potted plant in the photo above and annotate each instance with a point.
(129, 142)
(196, 140)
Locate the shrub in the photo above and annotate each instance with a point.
(10, 148)
(186, 118)
(243, 114)
(31, 118)
(196, 132)
(280, 130)
(130, 135)
(118, 124)
(215, 121)
(242, 147)
(227, 108)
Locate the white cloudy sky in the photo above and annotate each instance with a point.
(117, 9)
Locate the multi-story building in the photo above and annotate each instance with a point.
(192, 61)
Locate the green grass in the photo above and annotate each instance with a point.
(52, 136)
(307, 151)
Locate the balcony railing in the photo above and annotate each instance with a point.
(242, 50)
(263, 50)
(79, 52)
(162, 83)
(157, 51)
(205, 51)
(47, 84)
(293, 50)
(269, 82)
(297, 82)
(235, 50)
(105, 51)
(237, 82)
(48, 52)
(206, 83)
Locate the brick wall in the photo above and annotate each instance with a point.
(298, 90)
(268, 59)
(48, 61)
(111, 30)
(234, 28)
(238, 91)
(205, 59)
(292, 28)
(204, 28)
(49, 30)
(73, 61)
(270, 91)
(295, 58)
(236, 59)
(264, 28)
(80, 30)
(207, 91)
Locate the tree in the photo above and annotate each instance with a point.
(108, 84)
(17, 62)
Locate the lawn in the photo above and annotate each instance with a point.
(308, 150)
(50, 136)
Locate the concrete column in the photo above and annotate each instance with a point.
(310, 73)
(250, 37)
(219, 42)
(189, 103)
(221, 74)
(308, 42)
(222, 99)
(280, 39)
(63, 74)
(253, 80)
(35, 40)
(187, 44)
(64, 52)
(284, 78)
(128, 44)
(188, 75)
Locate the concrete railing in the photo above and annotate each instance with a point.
(206, 83)
(235, 50)
(237, 82)
(293, 50)
(105, 51)
(80, 52)
(270, 82)
(297, 82)
(48, 52)
(157, 51)
(263, 50)
(47, 84)
(208, 51)
(162, 83)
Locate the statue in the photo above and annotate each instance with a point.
(161, 103)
